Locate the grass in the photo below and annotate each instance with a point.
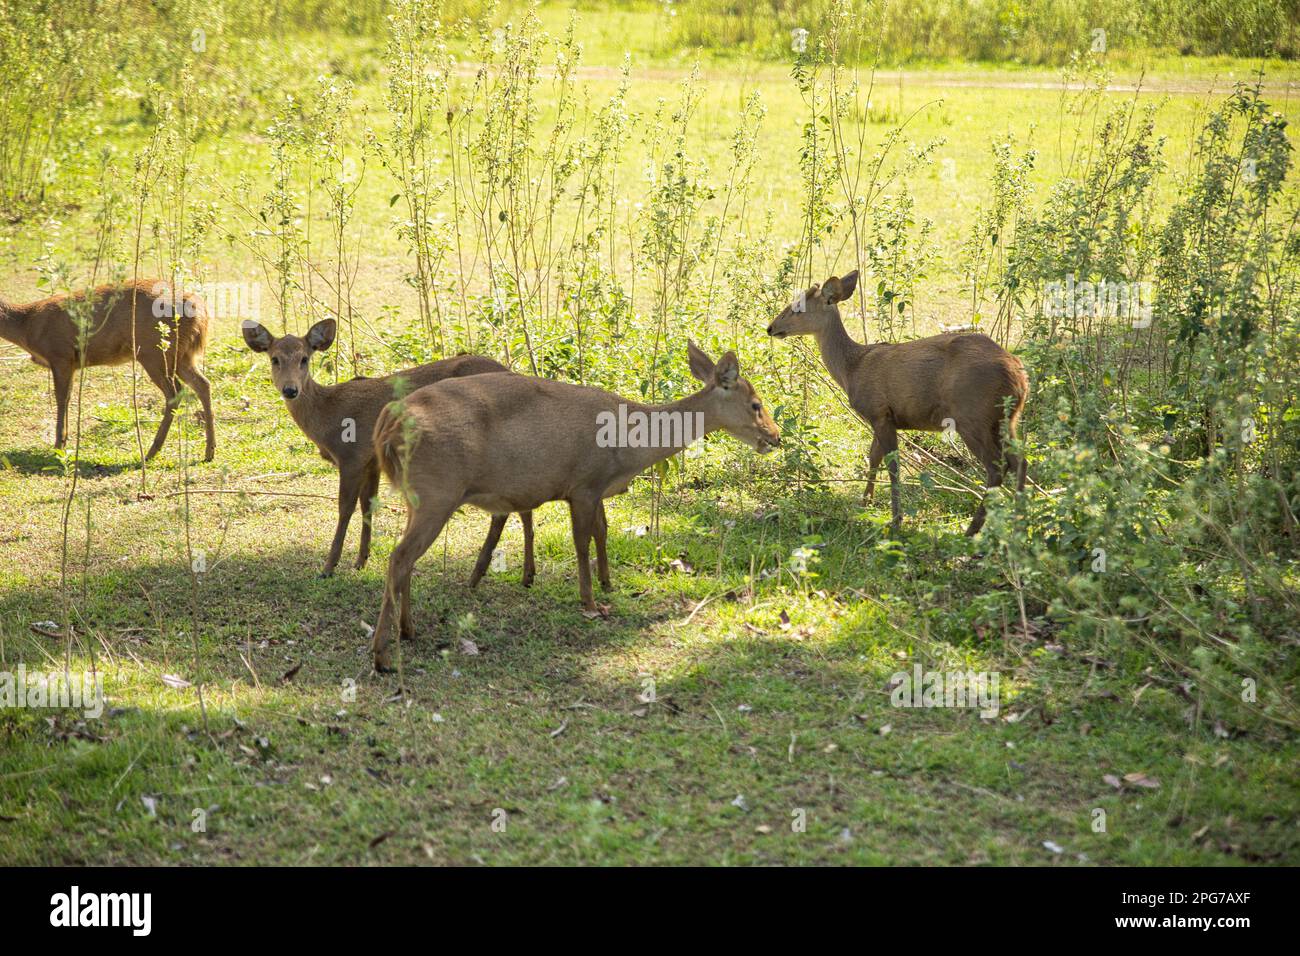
(753, 718)
(770, 689)
(968, 106)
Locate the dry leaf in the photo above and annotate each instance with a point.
(1141, 780)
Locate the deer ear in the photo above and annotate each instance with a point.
(848, 284)
(321, 335)
(701, 364)
(726, 371)
(830, 290)
(256, 336)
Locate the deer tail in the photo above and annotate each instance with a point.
(389, 442)
(199, 327)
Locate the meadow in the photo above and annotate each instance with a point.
(575, 192)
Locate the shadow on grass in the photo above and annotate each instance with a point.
(311, 758)
(46, 462)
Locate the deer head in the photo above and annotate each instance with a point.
(815, 308)
(290, 355)
(731, 402)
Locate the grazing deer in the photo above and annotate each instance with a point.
(340, 419)
(118, 319)
(509, 443)
(952, 381)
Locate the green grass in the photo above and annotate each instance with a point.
(547, 721)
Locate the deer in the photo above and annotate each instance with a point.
(511, 442)
(954, 381)
(339, 419)
(109, 325)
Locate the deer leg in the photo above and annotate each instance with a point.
(192, 377)
(530, 570)
(987, 448)
(485, 553)
(170, 390)
(62, 392)
(602, 559)
(1015, 467)
(888, 439)
(583, 514)
(369, 504)
(873, 463)
(423, 526)
(1013, 463)
(349, 488)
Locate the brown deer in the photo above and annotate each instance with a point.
(509, 443)
(962, 382)
(340, 420)
(66, 333)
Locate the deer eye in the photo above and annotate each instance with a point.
(275, 362)
(304, 361)
(756, 406)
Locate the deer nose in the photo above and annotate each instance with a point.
(289, 391)
(770, 327)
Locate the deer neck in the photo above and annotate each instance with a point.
(697, 420)
(839, 351)
(307, 410)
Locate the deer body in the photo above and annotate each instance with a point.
(340, 420)
(508, 443)
(48, 331)
(965, 381)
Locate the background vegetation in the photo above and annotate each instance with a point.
(577, 195)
